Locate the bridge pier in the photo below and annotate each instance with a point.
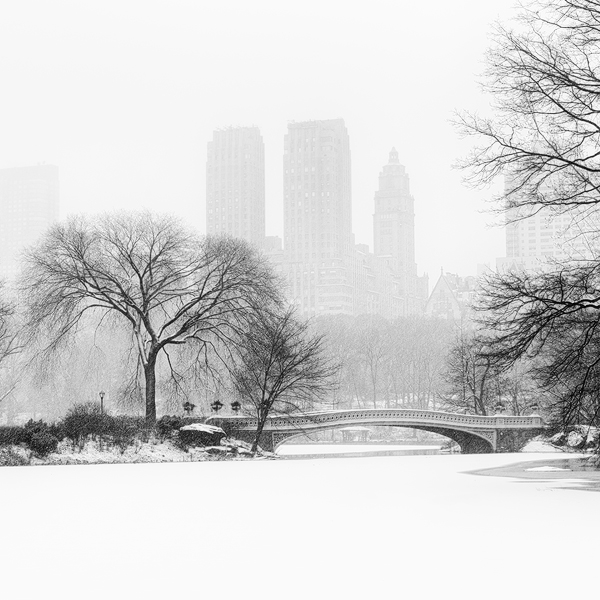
(513, 440)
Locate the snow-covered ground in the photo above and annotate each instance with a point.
(415, 527)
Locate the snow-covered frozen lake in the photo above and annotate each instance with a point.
(323, 449)
(415, 527)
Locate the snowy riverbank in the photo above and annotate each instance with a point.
(157, 451)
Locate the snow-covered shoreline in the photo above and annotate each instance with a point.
(166, 451)
(385, 527)
(95, 452)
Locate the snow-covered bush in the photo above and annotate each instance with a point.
(13, 456)
(43, 442)
(124, 430)
(83, 421)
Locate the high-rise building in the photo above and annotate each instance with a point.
(317, 205)
(394, 224)
(317, 190)
(29, 199)
(326, 271)
(538, 240)
(235, 184)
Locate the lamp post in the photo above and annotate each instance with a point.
(188, 408)
(217, 405)
(235, 407)
(101, 394)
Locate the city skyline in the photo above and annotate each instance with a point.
(127, 122)
(326, 271)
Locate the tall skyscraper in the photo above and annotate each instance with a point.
(538, 241)
(235, 184)
(394, 223)
(317, 192)
(318, 216)
(327, 271)
(29, 200)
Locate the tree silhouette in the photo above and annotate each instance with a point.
(544, 79)
(281, 367)
(9, 339)
(168, 286)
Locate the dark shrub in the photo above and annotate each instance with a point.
(167, 424)
(42, 443)
(12, 435)
(83, 421)
(57, 430)
(123, 430)
(32, 428)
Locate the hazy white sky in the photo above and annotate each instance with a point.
(123, 96)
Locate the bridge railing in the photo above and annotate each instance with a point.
(394, 416)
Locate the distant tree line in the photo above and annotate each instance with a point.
(387, 364)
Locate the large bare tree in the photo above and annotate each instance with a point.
(553, 319)
(543, 75)
(168, 286)
(281, 367)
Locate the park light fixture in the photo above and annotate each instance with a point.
(188, 408)
(101, 393)
(217, 405)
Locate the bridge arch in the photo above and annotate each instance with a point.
(470, 443)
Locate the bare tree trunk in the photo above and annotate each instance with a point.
(150, 377)
(259, 429)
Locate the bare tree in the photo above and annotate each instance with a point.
(544, 77)
(400, 362)
(9, 341)
(166, 285)
(553, 318)
(338, 336)
(281, 366)
(471, 376)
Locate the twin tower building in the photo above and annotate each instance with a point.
(326, 271)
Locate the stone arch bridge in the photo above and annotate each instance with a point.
(474, 434)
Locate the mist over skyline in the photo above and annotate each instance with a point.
(124, 98)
